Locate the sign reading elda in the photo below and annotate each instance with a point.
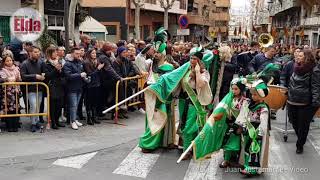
(27, 24)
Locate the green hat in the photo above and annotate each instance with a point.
(197, 51)
(160, 40)
(207, 58)
(261, 88)
(240, 82)
(160, 47)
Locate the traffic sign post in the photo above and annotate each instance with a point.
(183, 22)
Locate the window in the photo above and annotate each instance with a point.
(51, 21)
(221, 23)
(151, 1)
(195, 9)
(59, 20)
(146, 31)
(55, 21)
(183, 4)
(222, 9)
(112, 29)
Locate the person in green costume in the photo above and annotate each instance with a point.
(195, 94)
(160, 64)
(160, 120)
(232, 138)
(254, 121)
(159, 98)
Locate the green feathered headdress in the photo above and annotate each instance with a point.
(161, 37)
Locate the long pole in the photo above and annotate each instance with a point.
(125, 100)
(66, 25)
(185, 152)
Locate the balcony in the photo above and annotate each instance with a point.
(312, 21)
(220, 16)
(176, 8)
(103, 3)
(198, 19)
(223, 29)
(223, 3)
(277, 7)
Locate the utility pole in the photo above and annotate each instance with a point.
(66, 25)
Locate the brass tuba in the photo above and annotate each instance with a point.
(265, 40)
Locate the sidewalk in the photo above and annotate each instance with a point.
(26, 146)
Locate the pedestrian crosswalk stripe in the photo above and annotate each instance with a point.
(75, 161)
(314, 142)
(205, 169)
(137, 164)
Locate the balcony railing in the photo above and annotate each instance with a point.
(276, 7)
(312, 21)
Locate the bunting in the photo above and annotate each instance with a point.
(235, 32)
(274, 33)
(286, 32)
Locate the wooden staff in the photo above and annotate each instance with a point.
(125, 100)
(185, 152)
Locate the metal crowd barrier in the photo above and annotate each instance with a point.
(26, 114)
(135, 101)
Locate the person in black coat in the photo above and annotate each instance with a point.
(32, 70)
(92, 97)
(108, 75)
(56, 81)
(124, 69)
(303, 96)
(243, 59)
(229, 71)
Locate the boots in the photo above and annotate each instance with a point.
(54, 124)
(94, 118)
(89, 118)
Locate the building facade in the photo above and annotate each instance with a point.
(240, 22)
(208, 19)
(118, 16)
(296, 21)
(7, 8)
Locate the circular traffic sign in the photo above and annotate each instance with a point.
(183, 22)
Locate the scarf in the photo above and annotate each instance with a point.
(9, 72)
(302, 68)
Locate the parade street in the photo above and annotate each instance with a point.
(97, 153)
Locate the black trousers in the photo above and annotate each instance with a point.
(12, 122)
(92, 101)
(55, 110)
(300, 117)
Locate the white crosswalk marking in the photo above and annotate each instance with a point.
(75, 161)
(137, 164)
(205, 169)
(314, 142)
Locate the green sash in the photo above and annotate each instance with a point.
(201, 117)
(253, 133)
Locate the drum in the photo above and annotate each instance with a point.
(277, 97)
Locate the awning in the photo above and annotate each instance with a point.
(92, 25)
